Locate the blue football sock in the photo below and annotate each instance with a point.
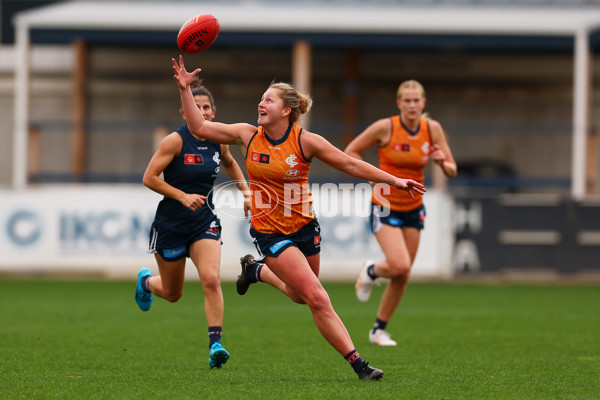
(254, 272)
(145, 282)
(214, 335)
(354, 360)
(371, 272)
(379, 324)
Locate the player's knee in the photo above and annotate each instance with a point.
(318, 300)
(173, 297)
(399, 268)
(297, 299)
(211, 283)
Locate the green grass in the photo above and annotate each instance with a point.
(88, 340)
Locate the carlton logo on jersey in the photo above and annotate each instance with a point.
(291, 160)
(193, 159)
(260, 157)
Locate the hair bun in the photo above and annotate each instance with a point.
(197, 82)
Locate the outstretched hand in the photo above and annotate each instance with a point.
(411, 185)
(183, 77)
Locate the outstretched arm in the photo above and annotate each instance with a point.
(317, 146)
(238, 134)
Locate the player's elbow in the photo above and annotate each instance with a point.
(452, 171)
(147, 180)
(352, 153)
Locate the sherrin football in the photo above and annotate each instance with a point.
(198, 33)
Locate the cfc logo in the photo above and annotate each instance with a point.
(291, 160)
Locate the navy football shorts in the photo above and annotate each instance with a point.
(307, 239)
(173, 246)
(399, 219)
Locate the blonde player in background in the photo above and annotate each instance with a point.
(406, 143)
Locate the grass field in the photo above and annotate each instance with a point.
(88, 340)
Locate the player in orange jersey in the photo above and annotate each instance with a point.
(406, 143)
(278, 156)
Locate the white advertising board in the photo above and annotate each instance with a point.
(103, 230)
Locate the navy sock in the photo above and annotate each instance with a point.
(379, 324)
(254, 272)
(355, 361)
(371, 271)
(145, 282)
(214, 335)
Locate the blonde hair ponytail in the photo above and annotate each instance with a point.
(299, 103)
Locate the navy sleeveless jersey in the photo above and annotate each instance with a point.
(193, 171)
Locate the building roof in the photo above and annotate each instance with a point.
(253, 21)
(314, 18)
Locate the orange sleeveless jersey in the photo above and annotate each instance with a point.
(404, 156)
(278, 175)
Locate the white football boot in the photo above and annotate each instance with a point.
(381, 338)
(364, 283)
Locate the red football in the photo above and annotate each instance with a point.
(198, 33)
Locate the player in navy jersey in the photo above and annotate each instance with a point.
(185, 224)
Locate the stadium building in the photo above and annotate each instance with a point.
(86, 90)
